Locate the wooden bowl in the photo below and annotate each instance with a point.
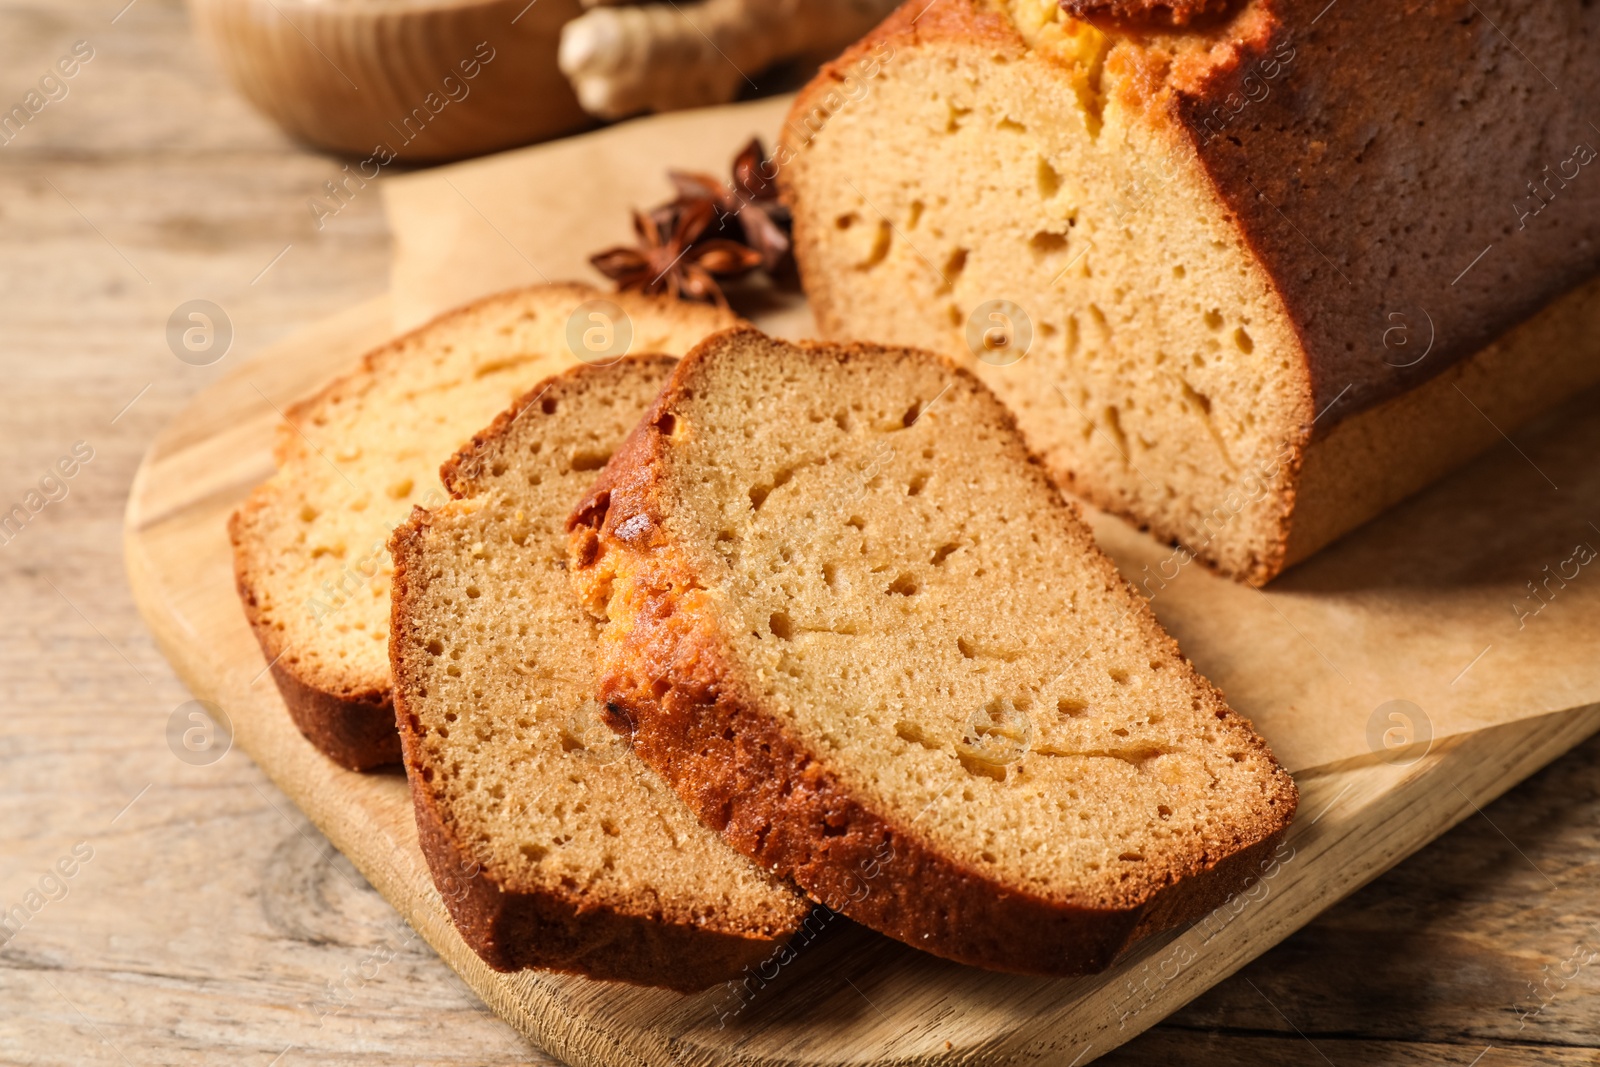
(413, 80)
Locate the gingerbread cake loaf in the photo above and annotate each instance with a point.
(1249, 271)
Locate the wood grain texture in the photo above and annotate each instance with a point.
(898, 1006)
(214, 923)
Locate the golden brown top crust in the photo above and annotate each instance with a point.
(1156, 45)
(1206, 57)
(1153, 12)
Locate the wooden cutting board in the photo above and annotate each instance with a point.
(850, 996)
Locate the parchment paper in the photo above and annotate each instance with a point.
(1420, 625)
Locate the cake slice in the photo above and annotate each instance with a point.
(552, 844)
(855, 625)
(1245, 284)
(310, 545)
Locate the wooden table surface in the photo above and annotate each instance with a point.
(202, 920)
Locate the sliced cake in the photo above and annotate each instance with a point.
(552, 843)
(310, 545)
(855, 625)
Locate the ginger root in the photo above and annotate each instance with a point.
(623, 60)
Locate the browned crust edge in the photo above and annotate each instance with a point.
(1154, 13)
(669, 682)
(512, 930)
(350, 722)
(354, 728)
(353, 725)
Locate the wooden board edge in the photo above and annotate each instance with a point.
(1468, 770)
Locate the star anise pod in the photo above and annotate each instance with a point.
(750, 199)
(674, 256)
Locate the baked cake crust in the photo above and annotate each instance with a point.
(512, 930)
(511, 920)
(347, 711)
(668, 682)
